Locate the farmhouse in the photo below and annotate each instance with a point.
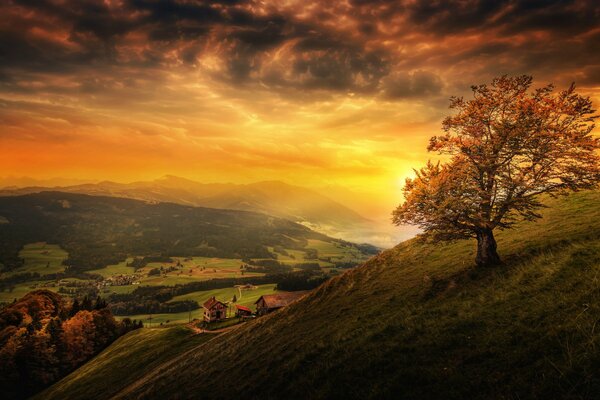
(241, 311)
(271, 302)
(214, 310)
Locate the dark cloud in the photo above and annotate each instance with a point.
(410, 85)
(395, 49)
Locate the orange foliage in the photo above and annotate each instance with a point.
(507, 146)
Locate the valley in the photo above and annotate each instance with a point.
(186, 256)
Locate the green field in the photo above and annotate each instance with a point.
(45, 259)
(421, 322)
(194, 269)
(42, 258)
(334, 251)
(21, 290)
(115, 269)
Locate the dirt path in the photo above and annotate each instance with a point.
(198, 330)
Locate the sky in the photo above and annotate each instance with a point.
(324, 94)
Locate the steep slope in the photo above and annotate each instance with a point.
(131, 356)
(419, 322)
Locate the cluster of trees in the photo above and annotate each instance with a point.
(9, 283)
(304, 280)
(141, 262)
(311, 266)
(151, 306)
(266, 266)
(43, 337)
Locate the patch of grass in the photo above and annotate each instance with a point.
(129, 358)
(194, 269)
(21, 290)
(42, 258)
(213, 326)
(115, 269)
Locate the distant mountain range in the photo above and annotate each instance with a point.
(270, 197)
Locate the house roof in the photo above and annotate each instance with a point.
(210, 303)
(243, 308)
(281, 299)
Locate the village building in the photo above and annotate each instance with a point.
(242, 312)
(271, 302)
(214, 310)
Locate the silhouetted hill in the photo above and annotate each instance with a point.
(274, 198)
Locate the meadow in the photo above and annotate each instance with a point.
(130, 357)
(44, 258)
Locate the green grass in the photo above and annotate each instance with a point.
(115, 269)
(42, 258)
(21, 290)
(194, 269)
(128, 359)
(248, 299)
(421, 322)
(335, 250)
(46, 259)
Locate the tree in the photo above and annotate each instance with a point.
(506, 146)
(74, 308)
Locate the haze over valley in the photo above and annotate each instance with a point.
(332, 210)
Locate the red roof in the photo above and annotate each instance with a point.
(243, 308)
(210, 303)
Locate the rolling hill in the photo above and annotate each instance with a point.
(415, 322)
(270, 197)
(97, 231)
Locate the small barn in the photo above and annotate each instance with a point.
(271, 302)
(242, 312)
(214, 310)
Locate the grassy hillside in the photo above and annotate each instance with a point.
(419, 322)
(130, 357)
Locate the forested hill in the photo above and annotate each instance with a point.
(97, 230)
(416, 322)
(270, 197)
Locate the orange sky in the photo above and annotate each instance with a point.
(312, 93)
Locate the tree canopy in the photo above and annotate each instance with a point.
(505, 147)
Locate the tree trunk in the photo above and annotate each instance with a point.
(486, 249)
